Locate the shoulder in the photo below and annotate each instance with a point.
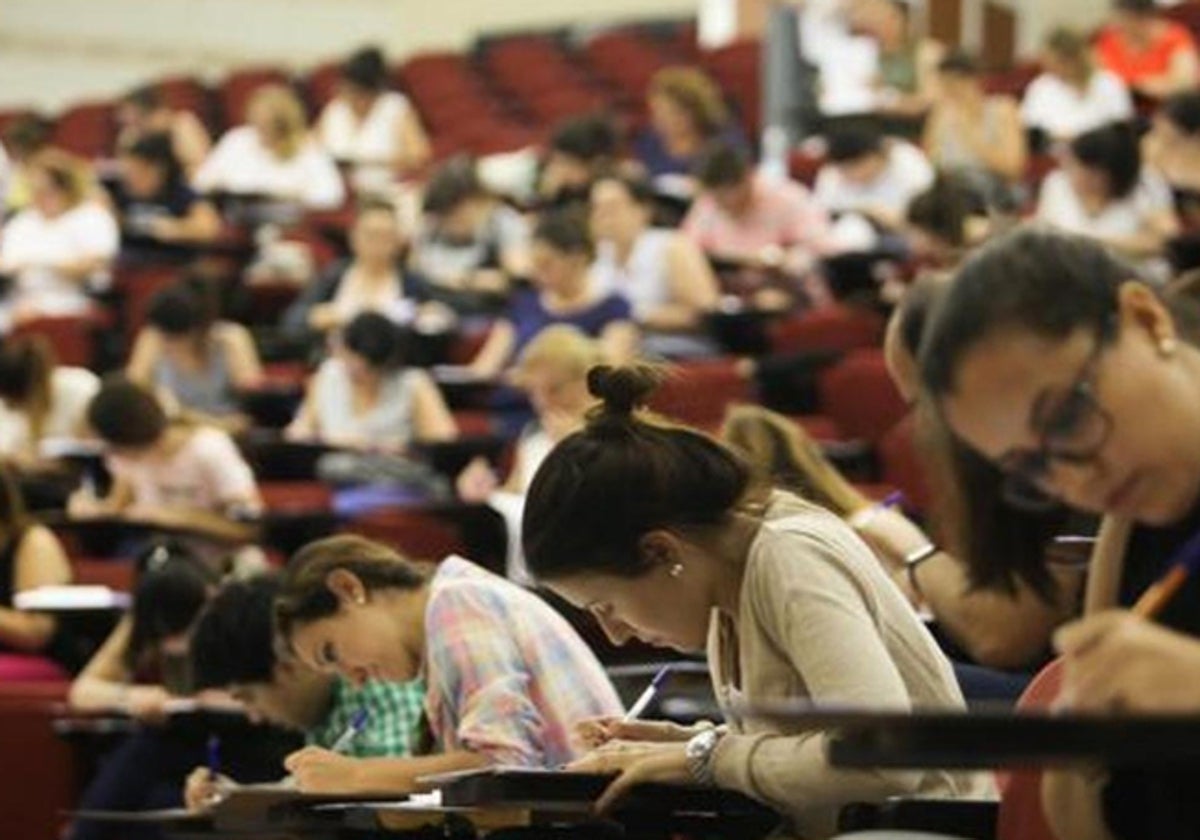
(1107, 82)
(1043, 85)
(89, 213)
(800, 550)
(238, 138)
(210, 441)
(461, 589)
(67, 378)
(614, 305)
(36, 541)
(231, 334)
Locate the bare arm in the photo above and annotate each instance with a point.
(415, 150)
(694, 289)
(147, 348)
(40, 561)
(432, 420)
(104, 682)
(1179, 76)
(191, 141)
(320, 771)
(496, 351)
(305, 425)
(245, 368)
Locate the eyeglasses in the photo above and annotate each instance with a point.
(1072, 428)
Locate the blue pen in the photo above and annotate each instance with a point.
(356, 725)
(643, 702)
(866, 515)
(214, 757)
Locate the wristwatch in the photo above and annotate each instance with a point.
(914, 559)
(699, 753)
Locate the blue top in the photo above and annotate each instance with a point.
(529, 317)
(649, 149)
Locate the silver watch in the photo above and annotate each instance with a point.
(699, 753)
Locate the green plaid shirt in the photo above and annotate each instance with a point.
(395, 712)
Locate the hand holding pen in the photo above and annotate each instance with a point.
(317, 770)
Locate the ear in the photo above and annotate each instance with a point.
(346, 587)
(1141, 309)
(660, 548)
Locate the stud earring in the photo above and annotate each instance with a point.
(676, 570)
(1166, 346)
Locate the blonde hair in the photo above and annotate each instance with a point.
(70, 174)
(563, 349)
(693, 91)
(285, 115)
(783, 453)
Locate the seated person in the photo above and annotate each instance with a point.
(23, 140)
(552, 372)
(661, 272)
(687, 112)
(1172, 148)
(506, 676)
(30, 556)
(564, 292)
(152, 199)
(976, 135)
(233, 649)
(139, 670)
(41, 399)
(373, 129)
(1104, 192)
(905, 82)
(192, 358)
(1152, 56)
(170, 474)
(61, 246)
(273, 157)
(1072, 95)
(373, 279)
(468, 241)
(366, 396)
(871, 176)
(581, 150)
(945, 222)
(141, 112)
(743, 217)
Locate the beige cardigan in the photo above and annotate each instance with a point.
(818, 618)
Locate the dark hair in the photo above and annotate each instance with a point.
(144, 98)
(1114, 150)
(959, 63)
(234, 640)
(304, 595)
(14, 516)
(378, 340)
(454, 183)
(604, 487)
(589, 138)
(1136, 7)
(26, 366)
(853, 142)
(636, 187)
(171, 589)
(1183, 109)
(366, 69)
(721, 164)
(157, 150)
(125, 414)
(565, 229)
(187, 307)
(944, 209)
(27, 135)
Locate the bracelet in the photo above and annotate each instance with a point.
(914, 559)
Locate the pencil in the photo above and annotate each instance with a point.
(1160, 593)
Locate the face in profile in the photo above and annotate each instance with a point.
(553, 270)
(142, 179)
(360, 642)
(669, 118)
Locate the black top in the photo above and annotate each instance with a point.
(1158, 801)
(137, 214)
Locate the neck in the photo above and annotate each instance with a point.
(407, 608)
(374, 270)
(624, 242)
(731, 547)
(574, 292)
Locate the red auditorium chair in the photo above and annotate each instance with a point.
(296, 496)
(33, 809)
(858, 395)
(117, 574)
(320, 86)
(804, 166)
(1020, 815)
(7, 118)
(901, 466)
(73, 337)
(88, 129)
(837, 328)
(136, 285)
(236, 90)
(1011, 82)
(699, 392)
(416, 533)
(186, 93)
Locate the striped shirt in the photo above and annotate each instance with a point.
(507, 676)
(394, 716)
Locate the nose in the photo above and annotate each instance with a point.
(618, 631)
(1079, 485)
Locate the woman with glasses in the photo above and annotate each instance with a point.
(1055, 363)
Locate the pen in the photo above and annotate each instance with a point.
(214, 757)
(643, 702)
(356, 725)
(1185, 562)
(865, 515)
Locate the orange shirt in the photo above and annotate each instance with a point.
(1133, 65)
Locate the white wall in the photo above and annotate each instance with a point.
(119, 40)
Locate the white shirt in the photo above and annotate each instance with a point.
(1063, 111)
(373, 139)
(71, 389)
(644, 279)
(31, 245)
(907, 174)
(1059, 205)
(240, 163)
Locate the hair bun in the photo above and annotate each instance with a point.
(623, 389)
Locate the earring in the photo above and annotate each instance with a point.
(676, 570)
(1166, 346)
(360, 600)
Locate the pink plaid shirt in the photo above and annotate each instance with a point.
(507, 676)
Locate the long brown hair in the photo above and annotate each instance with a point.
(26, 365)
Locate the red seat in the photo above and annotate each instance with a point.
(136, 285)
(1021, 816)
(186, 93)
(699, 392)
(48, 777)
(296, 496)
(901, 465)
(88, 129)
(74, 337)
(416, 533)
(114, 573)
(836, 328)
(321, 84)
(819, 427)
(473, 423)
(859, 395)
